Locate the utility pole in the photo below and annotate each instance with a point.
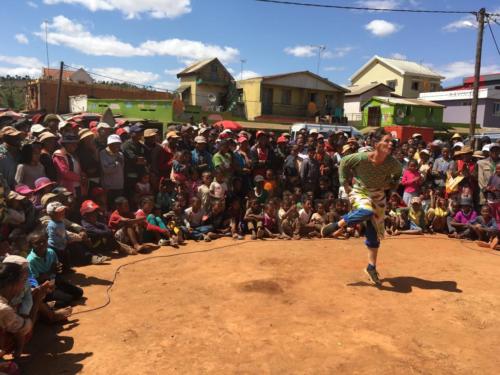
(320, 49)
(47, 43)
(59, 87)
(477, 75)
(242, 61)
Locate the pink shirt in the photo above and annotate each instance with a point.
(409, 181)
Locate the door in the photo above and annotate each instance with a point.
(267, 101)
(374, 116)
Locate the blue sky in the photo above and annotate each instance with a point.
(148, 41)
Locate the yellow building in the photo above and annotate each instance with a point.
(406, 78)
(291, 95)
(205, 83)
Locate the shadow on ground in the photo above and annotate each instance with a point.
(405, 284)
(50, 346)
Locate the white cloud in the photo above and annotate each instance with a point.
(69, 33)
(21, 38)
(134, 8)
(334, 68)
(467, 22)
(460, 69)
(379, 4)
(399, 56)
(310, 51)
(382, 28)
(166, 85)
(173, 72)
(133, 76)
(21, 66)
(32, 4)
(302, 51)
(246, 74)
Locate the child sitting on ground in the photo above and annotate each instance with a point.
(462, 220)
(318, 219)
(127, 228)
(254, 217)
(155, 230)
(305, 214)
(100, 236)
(175, 220)
(58, 240)
(484, 227)
(270, 223)
(404, 225)
(234, 214)
(166, 195)
(437, 215)
(288, 215)
(195, 220)
(44, 265)
(417, 214)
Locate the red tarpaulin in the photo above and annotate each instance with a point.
(231, 125)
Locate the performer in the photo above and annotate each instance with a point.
(372, 173)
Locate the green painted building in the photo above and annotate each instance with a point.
(391, 111)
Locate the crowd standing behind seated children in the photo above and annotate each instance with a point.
(83, 192)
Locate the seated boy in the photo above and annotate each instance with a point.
(195, 220)
(126, 227)
(484, 227)
(59, 241)
(462, 220)
(404, 225)
(44, 266)
(155, 230)
(100, 235)
(288, 215)
(254, 217)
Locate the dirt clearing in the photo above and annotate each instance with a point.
(282, 307)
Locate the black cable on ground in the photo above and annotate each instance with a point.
(115, 275)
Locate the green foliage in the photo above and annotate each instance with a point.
(13, 92)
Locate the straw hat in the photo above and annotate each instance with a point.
(478, 155)
(466, 150)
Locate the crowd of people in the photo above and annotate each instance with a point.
(72, 194)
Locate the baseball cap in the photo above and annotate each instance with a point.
(46, 135)
(103, 125)
(313, 131)
(37, 128)
(416, 135)
(242, 139)
(9, 131)
(458, 144)
(172, 134)
(281, 139)
(425, 151)
(88, 206)
(114, 138)
(259, 133)
(54, 207)
(60, 190)
(84, 133)
(15, 196)
(200, 139)
(486, 148)
(258, 178)
(136, 129)
(47, 198)
(150, 132)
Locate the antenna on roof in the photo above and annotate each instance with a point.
(47, 43)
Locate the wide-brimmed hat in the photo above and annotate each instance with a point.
(172, 134)
(43, 182)
(46, 136)
(15, 196)
(346, 148)
(37, 128)
(88, 206)
(478, 155)
(466, 150)
(47, 198)
(23, 189)
(200, 139)
(85, 133)
(456, 136)
(54, 207)
(150, 132)
(9, 131)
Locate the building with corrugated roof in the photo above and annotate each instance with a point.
(291, 97)
(360, 94)
(407, 78)
(207, 84)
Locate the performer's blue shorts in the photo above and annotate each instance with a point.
(358, 216)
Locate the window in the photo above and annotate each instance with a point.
(392, 83)
(213, 72)
(434, 87)
(312, 97)
(496, 109)
(430, 113)
(415, 85)
(408, 110)
(286, 97)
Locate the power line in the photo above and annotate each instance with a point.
(493, 36)
(349, 7)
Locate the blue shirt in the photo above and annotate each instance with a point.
(39, 265)
(56, 231)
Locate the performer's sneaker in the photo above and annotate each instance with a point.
(373, 276)
(329, 229)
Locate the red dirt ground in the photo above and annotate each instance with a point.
(284, 307)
